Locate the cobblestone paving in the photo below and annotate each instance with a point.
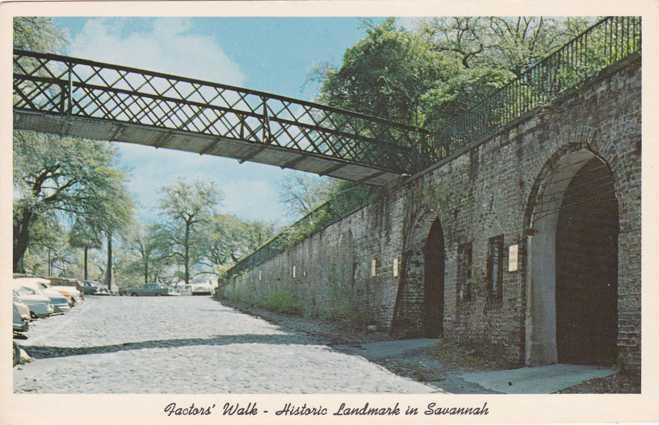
(187, 345)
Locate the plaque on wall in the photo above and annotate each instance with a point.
(513, 257)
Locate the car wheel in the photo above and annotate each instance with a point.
(133, 294)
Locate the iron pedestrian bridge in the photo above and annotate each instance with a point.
(71, 96)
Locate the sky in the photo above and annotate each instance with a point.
(276, 55)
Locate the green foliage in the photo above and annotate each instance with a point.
(57, 178)
(145, 255)
(342, 302)
(184, 207)
(385, 74)
(428, 76)
(300, 192)
(38, 33)
(225, 238)
(281, 301)
(84, 235)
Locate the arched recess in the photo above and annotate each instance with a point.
(572, 263)
(419, 309)
(433, 282)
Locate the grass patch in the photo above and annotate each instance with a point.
(281, 302)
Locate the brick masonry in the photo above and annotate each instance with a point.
(489, 189)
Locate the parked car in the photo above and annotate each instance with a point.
(20, 324)
(39, 305)
(151, 289)
(90, 287)
(185, 290)
(67, 286)
(41, 287)
(102, 290)
(22, 308)
(202, 288)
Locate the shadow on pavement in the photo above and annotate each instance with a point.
(44, 352)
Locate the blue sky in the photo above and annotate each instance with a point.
(270, 54)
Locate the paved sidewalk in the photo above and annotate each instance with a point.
(385, 349)
(536, 380)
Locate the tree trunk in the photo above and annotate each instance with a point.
(186, 258)
(21, 238)
(85, 265)
(108, 267)
(146, 270)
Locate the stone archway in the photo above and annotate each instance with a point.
(419, 309)
(572, 263)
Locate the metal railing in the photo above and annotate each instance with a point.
(607, 42)
(62, 85)
(331, 211)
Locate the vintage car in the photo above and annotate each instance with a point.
(39, 305)
(22, 308)
(69, 287)
(103, 290)
(94, 288)
(151, 289)
(20, 323)
(41, 287)
(201, 288)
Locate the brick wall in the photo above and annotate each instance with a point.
(488, 190)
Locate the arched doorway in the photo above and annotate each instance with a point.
(572, 262)
(433, 282)
(587, 268)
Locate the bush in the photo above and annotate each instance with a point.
(282, 302)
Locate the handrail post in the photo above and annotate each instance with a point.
(266, 122)
(69, 108)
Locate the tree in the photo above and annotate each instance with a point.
(300, 193)
(186, 205)
(38, 33)
(491, 51)
(385, 74)
(113, 221)
(226, 239)
(86, 236)
(149, 245)
(64, 177)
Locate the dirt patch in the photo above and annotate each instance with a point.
(614, 384)
(467, 358)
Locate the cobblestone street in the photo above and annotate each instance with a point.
(187, 345)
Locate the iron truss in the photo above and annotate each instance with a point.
(71, 96)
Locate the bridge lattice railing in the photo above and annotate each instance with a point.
(55, 84)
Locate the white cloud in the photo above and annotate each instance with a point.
(166, 45)
(411, 23)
